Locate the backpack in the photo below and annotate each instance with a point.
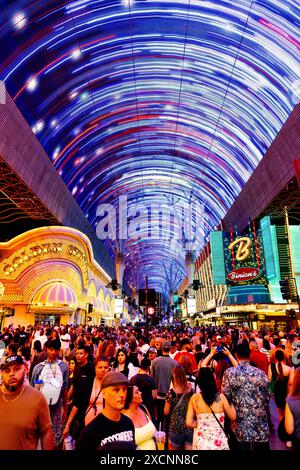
(52, 378)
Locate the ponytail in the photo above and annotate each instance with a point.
(279, 356)
(280, 369)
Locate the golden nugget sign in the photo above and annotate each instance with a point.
(244, 245)
(28, 253)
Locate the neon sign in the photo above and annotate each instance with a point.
(244, 246)
(243, 274)
(44, 249)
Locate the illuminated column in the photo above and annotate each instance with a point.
(135, 294)
(190, 270)
(120, 266)
(2, 310)
(189, 266)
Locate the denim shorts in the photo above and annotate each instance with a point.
(178, 440)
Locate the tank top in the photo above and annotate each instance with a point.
(144, 436)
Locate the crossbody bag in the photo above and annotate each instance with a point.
(231, 437)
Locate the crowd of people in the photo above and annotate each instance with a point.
(178, 388)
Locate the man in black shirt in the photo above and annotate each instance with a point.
(23, 336)
(6, 336)
(85, 370)
(110, 429)
(145, 384)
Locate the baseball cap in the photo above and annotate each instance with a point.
(152, 350)
(219, 337)
(8, 360)
(166, 345)
(114, 378)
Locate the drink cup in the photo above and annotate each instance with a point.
(68, 443)
(38, 384)
(160, 437)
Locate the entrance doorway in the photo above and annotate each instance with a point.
(47, 319)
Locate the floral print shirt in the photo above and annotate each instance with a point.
(246, 387)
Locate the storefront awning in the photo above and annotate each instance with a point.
(55, 293)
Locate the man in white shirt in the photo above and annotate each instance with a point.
(65, 342)
(143, 348)
(40, 335)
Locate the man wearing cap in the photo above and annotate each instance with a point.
(57, 375)
(24, 412)
(151, 354)
(110, 429)
(218, 341)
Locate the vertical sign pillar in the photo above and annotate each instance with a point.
(146, 300)
(189, 265)
(120, 266)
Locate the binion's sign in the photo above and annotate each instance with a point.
(243, 274)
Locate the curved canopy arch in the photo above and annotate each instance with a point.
(56, 293)
(166, 102)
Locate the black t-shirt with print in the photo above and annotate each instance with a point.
(102, 433)
(23, 337)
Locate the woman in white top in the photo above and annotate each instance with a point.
(209, 433)
(139, 415)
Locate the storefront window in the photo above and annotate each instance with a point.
(47, 319)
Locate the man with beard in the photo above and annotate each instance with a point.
(24, 412)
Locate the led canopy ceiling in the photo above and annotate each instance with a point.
(158, 106)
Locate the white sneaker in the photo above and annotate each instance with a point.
(288, 444)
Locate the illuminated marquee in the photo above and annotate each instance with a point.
(44, 250)
(238, 258)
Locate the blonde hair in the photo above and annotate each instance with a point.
(180, 379)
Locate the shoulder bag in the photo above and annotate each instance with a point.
(231, 437)
(93, 404)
